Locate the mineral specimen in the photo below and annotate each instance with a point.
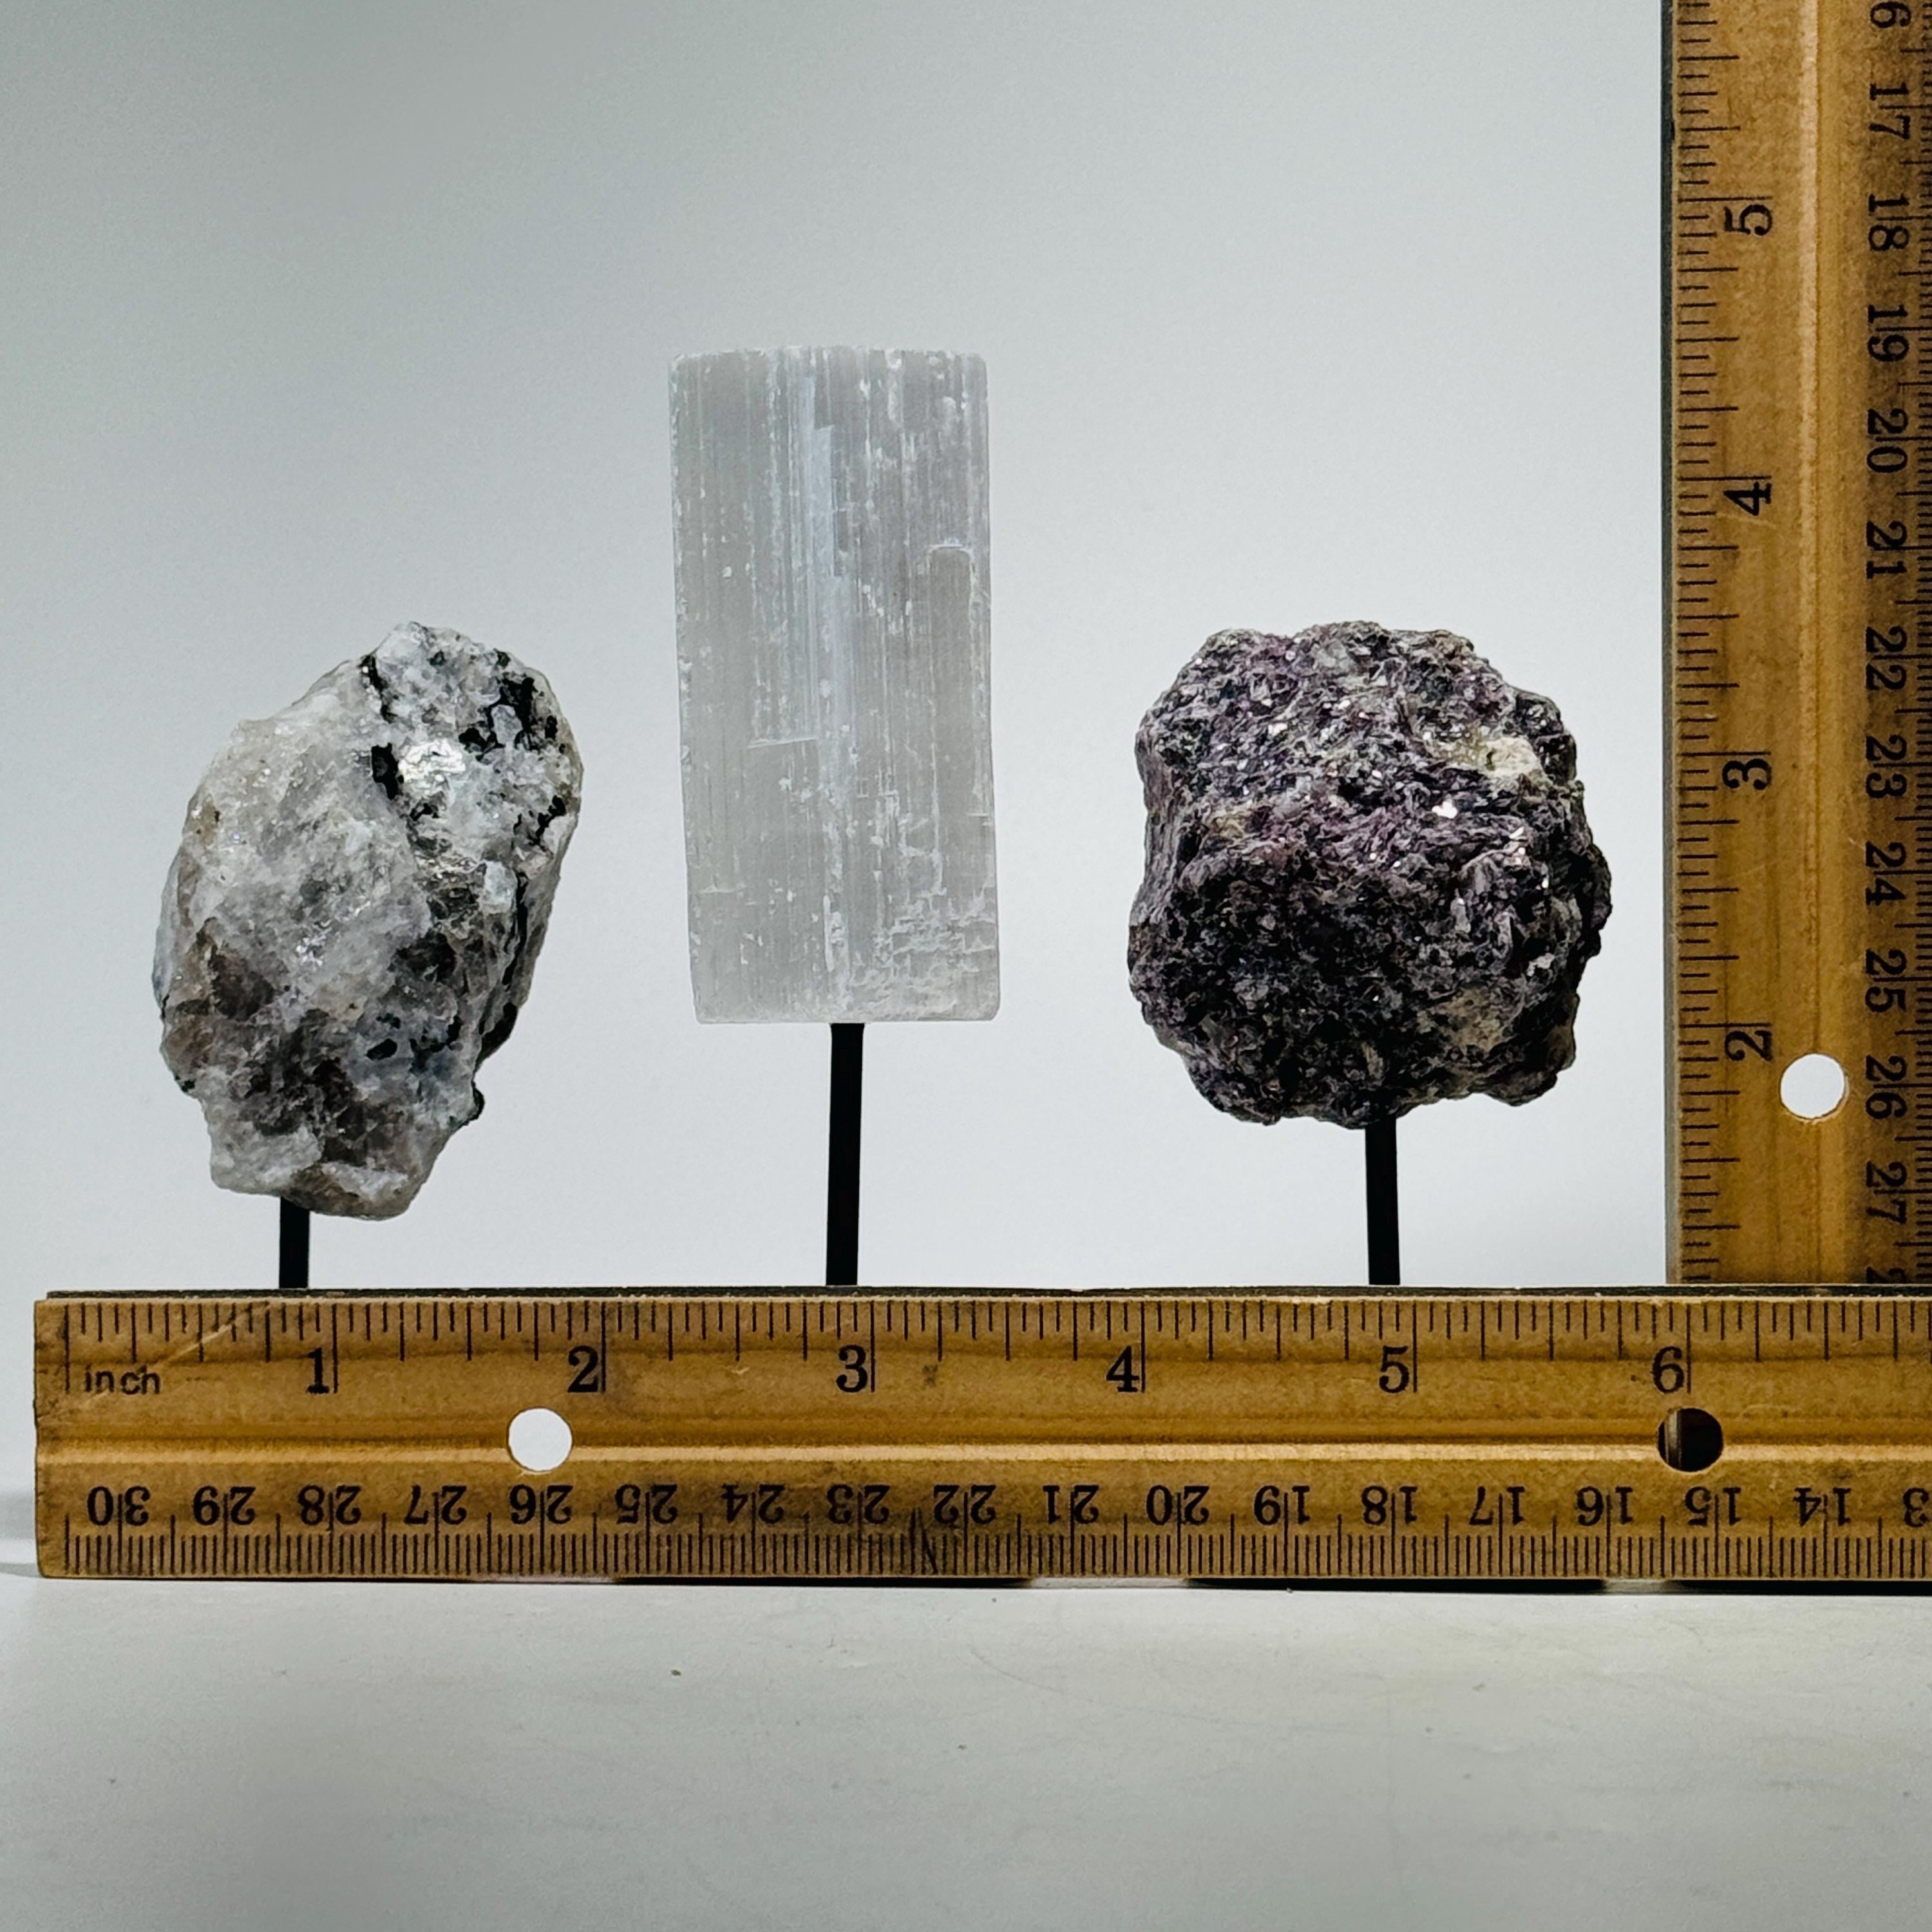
(831, 546)
(354, 916)
(1369, 881)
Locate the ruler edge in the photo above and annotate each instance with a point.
(740, 1291)
(1667, 640)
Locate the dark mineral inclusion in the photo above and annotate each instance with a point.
(1369, 881)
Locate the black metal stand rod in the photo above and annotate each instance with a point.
(841, 1159)
(1384, 1218)
(292, 1271)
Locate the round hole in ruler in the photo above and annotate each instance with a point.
(1690, 1439)
(1814, 1086)
(539, 1438)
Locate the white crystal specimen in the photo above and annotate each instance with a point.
(353, 920)
(831, 537)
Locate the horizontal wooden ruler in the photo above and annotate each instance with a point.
(1799, 454)
(994, 1435)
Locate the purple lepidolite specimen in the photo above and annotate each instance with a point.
(1370, 884)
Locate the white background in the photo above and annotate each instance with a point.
(316, 319)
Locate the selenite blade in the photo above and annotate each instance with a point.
(831, 550)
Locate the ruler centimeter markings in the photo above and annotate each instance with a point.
(1799, 457)
(1000, 1435)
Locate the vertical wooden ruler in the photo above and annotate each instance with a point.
(1799, 458)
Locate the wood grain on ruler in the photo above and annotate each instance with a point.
(1798, 456)
(996, 1435)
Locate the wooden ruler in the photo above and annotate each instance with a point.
(1000, 1436)
(1800, 458)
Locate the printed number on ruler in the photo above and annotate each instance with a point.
(1800, 457)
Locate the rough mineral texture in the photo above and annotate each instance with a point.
(352, 919)
(1369, 881)
(831, 546)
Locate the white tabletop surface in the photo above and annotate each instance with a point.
(322, 1756)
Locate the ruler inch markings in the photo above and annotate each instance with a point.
(984, 1445)
(1798, 474)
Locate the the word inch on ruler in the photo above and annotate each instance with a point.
(1235, 1435)
(1800, 461)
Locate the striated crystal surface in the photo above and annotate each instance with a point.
(831, 539)
(1369, 882)
(353, 918)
